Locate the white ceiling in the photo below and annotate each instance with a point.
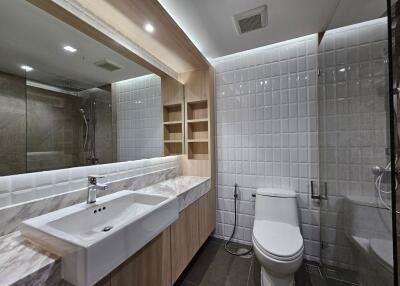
(209, 23)
(30, 36)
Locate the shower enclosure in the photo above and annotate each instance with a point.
(356, 182)
(96, 112)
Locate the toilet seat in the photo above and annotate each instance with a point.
(280, 241)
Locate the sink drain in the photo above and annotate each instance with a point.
(107, 228)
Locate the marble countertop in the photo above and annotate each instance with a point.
(22, 263)
(187, 188)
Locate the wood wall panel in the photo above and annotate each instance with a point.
(199, 86)
(171, 91)
(196, 85)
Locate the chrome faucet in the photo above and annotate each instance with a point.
(93, 188)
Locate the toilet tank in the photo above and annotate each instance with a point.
(279, 205)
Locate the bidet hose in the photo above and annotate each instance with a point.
(234, 230)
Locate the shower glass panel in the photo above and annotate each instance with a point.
(354, 153)
(395, 84)
(52, 128)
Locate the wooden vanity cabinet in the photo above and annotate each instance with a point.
(207, 213)
(184, 239)
(150, 266)
(190, 231)
(162, 260)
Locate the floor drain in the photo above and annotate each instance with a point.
(107, 228)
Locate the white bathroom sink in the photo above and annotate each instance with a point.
(93, 239)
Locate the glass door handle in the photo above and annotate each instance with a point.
(313, 195)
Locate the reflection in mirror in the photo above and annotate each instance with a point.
(64, 97)
(139, 118)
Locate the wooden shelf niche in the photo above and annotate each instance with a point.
(197, 129)
(173, 116)
(173, 126)
(197, 110)
(198, 150)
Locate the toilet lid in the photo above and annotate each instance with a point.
(281, 240)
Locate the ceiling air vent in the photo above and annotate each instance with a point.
(108, 65)
(251, 20)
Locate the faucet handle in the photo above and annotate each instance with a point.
(93, 179)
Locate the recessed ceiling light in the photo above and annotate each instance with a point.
(26, 68)
(342, 70)
(70, 49)
(149, 28)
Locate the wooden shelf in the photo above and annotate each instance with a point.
(197, 110)
(197, 140)
(173, 132)
(198, 150)
(173, 147)
(171, 105)
(173, 141)
(172, 112)
(173, 128)
(197, 130)
(198, 120)
(172, 122)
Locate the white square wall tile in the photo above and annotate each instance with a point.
(5, 199)
(5, 185)
(23, 195)
(77, 173)
(43, 179)
(21, 182)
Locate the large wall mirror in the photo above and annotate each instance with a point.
(67, 100)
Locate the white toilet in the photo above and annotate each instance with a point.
(277, 241)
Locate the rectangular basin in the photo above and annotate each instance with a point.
(93, 239)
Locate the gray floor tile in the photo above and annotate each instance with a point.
(197, 270)
(213, 266)
(255, 273)
(227, 269)
(302, 277)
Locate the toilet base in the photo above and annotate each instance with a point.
(269, 280)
